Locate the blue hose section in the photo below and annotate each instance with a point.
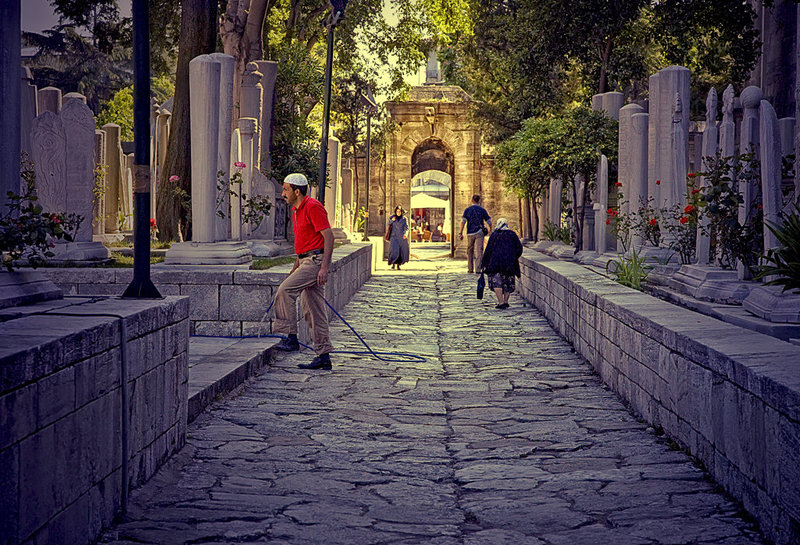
(401, 357)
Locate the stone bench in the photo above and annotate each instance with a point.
(729, 395)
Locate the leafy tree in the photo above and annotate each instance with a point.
(119, 109)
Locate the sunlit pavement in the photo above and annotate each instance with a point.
(502, 436)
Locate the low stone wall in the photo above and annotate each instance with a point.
(731, 396)
(224, 300)
(61, 410)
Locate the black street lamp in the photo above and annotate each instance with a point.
(141, 287)
(372, 108)
(337, 14)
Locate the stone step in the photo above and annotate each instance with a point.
(218, 365)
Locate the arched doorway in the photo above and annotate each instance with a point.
(431, 206)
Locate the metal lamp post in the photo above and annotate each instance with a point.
(141, 287)
(369, 101)
(337, 14)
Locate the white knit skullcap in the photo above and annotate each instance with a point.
(296, 178)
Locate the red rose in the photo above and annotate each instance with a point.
(692, 174)
(658, 182)
(684, 219)
(688, 209)
(608, 222)
(239, 164)
(653, 221)
(695, 191)
(152, 222)
(618, 184)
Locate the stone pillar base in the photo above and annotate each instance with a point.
(708, 283)
(79, 252)
(268, 248)
(603, 259)
(770, 303)
(208, 253)
(106, 238)
(22, 288)
(339, 235)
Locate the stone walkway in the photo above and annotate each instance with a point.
(503, 437)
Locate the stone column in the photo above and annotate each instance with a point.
(269, 69)
(98, 211)
(155, 109)
(612, 103)
(204, 78)
(749, 143)
(49, 100)
(28, 110)
(204, 249)
(235, 201)
(227, 69)
(126, 191)
(247, 135)
(624, 174)
(72, 96)
(771, 163)
(111, 195)
(601, 208)
(251, 105)
(664, 85)
(638, 167)
(333, 180)
(710, 144)
(555, 202)
(162, 139)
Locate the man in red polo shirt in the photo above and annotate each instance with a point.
(313, 243)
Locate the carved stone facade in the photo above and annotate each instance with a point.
(434, 133)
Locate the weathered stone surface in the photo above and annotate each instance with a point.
(503, 435)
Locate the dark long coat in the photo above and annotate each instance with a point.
(502, 253)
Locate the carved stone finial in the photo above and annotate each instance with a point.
(711, 107)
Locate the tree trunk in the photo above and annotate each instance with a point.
(526, 207)
(605, 55)
(198, 37)
(535, 236)
(241, 31)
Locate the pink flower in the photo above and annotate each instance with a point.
(239, 164)
(174, 178)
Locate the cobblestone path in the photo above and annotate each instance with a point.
(503, 437)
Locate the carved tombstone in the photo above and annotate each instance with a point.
(749, 143)
(676, 189)
(709, 150)
(78, 124)
(48, 147)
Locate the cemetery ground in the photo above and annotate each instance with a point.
(502, 436)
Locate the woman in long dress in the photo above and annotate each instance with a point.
(397, 236)
(501, 261)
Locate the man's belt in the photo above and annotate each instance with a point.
(310, 253)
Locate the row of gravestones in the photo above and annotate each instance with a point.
(238, 151)
(654, 160)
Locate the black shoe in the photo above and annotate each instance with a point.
(323, 361)
(289, 344)
(504, 305)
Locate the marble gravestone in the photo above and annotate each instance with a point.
(63, 149)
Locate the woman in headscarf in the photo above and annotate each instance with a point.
(501, 261)
(397, 236)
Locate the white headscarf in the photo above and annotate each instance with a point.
(502, 223)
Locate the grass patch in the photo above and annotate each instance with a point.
(154, 245)
(126, 262)
(269, 262)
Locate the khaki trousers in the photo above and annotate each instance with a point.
(474, 251)
(315, 311)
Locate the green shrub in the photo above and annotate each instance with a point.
(629, 270)
(783, 262)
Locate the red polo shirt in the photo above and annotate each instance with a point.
(309, 219)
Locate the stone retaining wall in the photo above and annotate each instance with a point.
(224, 300)
(61, 410)
(731, 396)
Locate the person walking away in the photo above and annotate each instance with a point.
(313, 243)
(501, 262)
(473, 219)
(397, 237)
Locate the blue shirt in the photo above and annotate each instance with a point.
(474, 216)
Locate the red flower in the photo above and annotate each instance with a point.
(658, 182)
(608, 222)
(695, 191)
(692, 174)
(684, 219)
(618, 184)
(653, 221)
(760, 207)
(239, 164)
(688, 209)
(152, 222)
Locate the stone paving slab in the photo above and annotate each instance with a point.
(503, 436)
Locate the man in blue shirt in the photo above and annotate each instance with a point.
(473, 218)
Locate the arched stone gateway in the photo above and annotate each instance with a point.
(434, 135)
